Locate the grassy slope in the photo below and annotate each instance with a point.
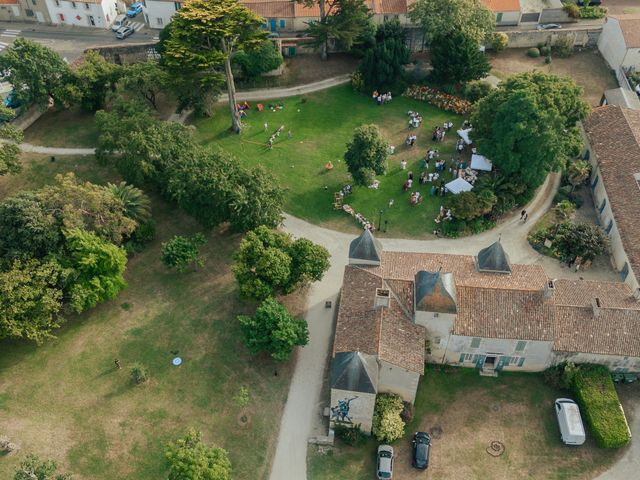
(65, 401)
(321, 125)
(64, 128)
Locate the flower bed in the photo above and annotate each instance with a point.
(439, 99)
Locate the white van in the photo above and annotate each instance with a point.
(119, 22)
(570, 422)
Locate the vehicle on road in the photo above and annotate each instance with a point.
(119, 22)
(134, 9)
(421, 445)
(124, 32)
(549, 26)
(384, 465)
(569, 421)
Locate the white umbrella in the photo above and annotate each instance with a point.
(480, 162)
(459, 185)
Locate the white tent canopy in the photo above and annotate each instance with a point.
(464, 135)
(459, 185)
(480, 162)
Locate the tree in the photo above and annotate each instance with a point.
(578, 172)
(366, 151)
(30, 299)
(457, 58)
(95, 78)
(269, 262)
(382, 64)
(387, 423)
(32, 468)
(274, 330)
(97, 268)
(585, 240)
(27, 229)
(137, 205)
(260, 59)
(145, 81)
(440, 18)
(10, 137)
(564, 210)
(470, 205)
(256, 200)
(37, 74)
(206, 35)
(189, 458)
(180, 252)
(527, 125)
(348, 20)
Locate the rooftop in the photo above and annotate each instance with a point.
(630, 27)
(497, 6)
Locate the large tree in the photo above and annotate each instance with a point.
(456, 58)
(258, 59)
(10, 137)
(205, 36)
(273, 330)
(527, 125)
(584, 240)
(366, 153)
(145, 80)
(440, 18)
(30, 299)
(382, 64)
(189, 458)
(37, 73)
(95, 78)
(470, 205)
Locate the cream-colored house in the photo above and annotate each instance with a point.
(507, 12)
(400, 309)
(619, 41)
(612, 140)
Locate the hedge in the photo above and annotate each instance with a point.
(600, 406)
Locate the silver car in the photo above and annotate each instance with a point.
(384, 465)
(124, 32)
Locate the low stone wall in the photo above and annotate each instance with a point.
(129, 53)
(531, 38)
(28, 117)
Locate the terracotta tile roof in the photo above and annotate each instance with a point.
(614, 135)
(391, 6)
(401, 341)
(8, 2)
(581, 293)
(502, 5)
(508, 314)
(292, 9)
(630, 27)
(403, 290)
(272, 9)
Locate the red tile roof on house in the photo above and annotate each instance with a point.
(498, 6)
(630, 27)
(292, 9)
(8, 2)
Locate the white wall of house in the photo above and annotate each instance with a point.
(613, 362)
(438, 330)
(393, 379)
(632, 59)
(507, 18)
(66, 12)
(10, 12)
(361, 407)
(158, 13)
(611, 43)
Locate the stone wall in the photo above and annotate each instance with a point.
(531, 38)
(129, 53)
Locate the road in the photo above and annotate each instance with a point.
(71, 41)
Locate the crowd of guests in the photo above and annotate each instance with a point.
(381, 98)
(415, 119)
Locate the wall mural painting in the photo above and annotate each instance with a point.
(340, 413)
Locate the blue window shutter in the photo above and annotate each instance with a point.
(462, 358)
(281, 23)
(609, 227)
(521, 361)
(595, 182)
(625, 271)
(602, 205)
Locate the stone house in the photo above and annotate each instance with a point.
(619, 41)
(84, 13)
(400, 309)
(24, 11)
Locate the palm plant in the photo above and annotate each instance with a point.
(136, 204)
(577, 173)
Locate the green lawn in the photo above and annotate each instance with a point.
(321, 125)
(470, 411)
(65, 400)
(63, 128)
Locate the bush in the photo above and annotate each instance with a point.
(439, 99)
(533, 52)
(601, 407)
(139, 373)
(142, 235)
(563, 47)
(407, 412)
(474, 91)
(592, 12)
(351, 435)
(180, 252)
(560, 376)
(499, 41)
(545, 50)
(547, 59)
(572, 10)
(264, 58)
(387, 423)
(357, 81)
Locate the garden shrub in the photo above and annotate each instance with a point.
(560, 376)
(533, 52)
(600, 406)
(407, 412)
(139, 373)
(357, 81)
(594, 12)
(387, 423)
(474, 91)
(439, 99)
(547, 59)
(545, 50)
(499, 41)
(351, 435)
(563, 47)
(572, 10)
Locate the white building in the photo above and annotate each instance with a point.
(158, 13)
(85, 13)
(507, 12)
(619, 41)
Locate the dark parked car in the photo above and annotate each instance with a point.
(421, 446)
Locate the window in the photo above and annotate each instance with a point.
(475, 342)
(61, 17)
(73, 4)
(159, 21)
(92, 21)
(264, 24)
(521, 345)
(29, 12)
(57, 3)
(602, 205)
(468, 358)
(586, 155)
(609, 227)
(35, 2)
(282, 23)
(499, 17)
(625, 271)
(637, 177)
(595, 182)
(176, 5)
(86, 7)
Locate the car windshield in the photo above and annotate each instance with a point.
(421, 451)
(384, 475)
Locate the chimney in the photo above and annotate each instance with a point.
(382, 298)
(597, 306)
(636, 294)
(549, 288)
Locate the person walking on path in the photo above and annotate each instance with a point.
(117, 362)
(522, 214)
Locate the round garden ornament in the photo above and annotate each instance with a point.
(176, 361)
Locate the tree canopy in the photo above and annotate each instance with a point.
(180, 252)
(258, 59)
(274, 330)
(95, 78)
(347, 21)
(32, 468)
(382, 63)
(440, 18)
(456, 58)
(367, 152)
(189, 458)
(11, 137)
(145, 81)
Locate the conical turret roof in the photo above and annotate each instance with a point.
(435, 292)
(355, 372)
(493, 259)
(365, 249)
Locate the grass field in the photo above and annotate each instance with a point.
(321, 125)
(465, 413)
(63, 128)
(65, 400)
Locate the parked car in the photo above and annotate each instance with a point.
(569, 421)
(124, 32)
(549, 26)
(593, 3)
(134, 9)
(421, 446)
(384, 465)
(119, 22)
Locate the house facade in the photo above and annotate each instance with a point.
(158, 13)
(10, 11)
(84, 13)
(507, 12)
(24, 11)
(619, 41)
(399, 310)
(612, 140)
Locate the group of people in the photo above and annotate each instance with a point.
(275, 135)
(445, 214)
(415, 198)
(242, 109)
(460, 145)
(415, 119)
(411, 140)
(381, 98)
